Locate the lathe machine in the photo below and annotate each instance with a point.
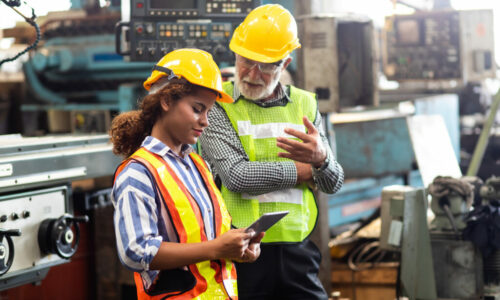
(38, 228)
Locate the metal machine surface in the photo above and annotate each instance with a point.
(404, 228)
(27, 163)
(347, 74)
(158, 27)
(364, 140)
(439, 45)
(37, 227)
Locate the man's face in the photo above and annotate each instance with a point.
(257, 80)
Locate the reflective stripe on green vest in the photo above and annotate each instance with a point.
(258, 128)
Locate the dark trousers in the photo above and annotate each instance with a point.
(283, 271)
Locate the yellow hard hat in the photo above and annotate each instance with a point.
(268, 34)
(196, 66)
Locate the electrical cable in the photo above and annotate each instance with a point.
(13, 4)
(365, 256)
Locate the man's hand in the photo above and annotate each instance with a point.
(310, 150)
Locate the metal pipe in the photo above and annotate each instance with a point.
(482, 142)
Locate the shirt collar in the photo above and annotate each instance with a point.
(158, 147)
(282, 93)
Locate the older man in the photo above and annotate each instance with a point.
(269, 150)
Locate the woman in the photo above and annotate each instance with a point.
(172, 226)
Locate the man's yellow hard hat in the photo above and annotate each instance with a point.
(196, 66)
(268, 34)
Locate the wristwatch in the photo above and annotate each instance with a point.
(324, 165)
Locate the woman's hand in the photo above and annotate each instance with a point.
(253, 251)
(233, 244)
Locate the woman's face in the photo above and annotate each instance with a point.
(183, 121)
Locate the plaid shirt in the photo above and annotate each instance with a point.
(223, 151)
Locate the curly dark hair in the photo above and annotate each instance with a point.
(129, 129)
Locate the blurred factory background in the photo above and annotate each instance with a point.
(408, 90)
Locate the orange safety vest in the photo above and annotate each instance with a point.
(213, 279)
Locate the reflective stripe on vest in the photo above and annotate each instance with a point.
(258, 128)
(214, 279)
(269, 130)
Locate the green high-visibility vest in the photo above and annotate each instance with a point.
(258, 128)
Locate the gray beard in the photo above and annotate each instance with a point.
(252, 93)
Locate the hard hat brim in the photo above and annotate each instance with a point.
(221, 95)
(254, 55)
(225, 98)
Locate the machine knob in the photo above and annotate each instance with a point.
(150, 29)
(7, 250)
(26, 214)
(60, 236)
(3, 218)
(139, 28)
(14, 216)
(166, 49)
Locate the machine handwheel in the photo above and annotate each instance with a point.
(57, 236)
(7, 250)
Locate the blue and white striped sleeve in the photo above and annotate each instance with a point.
(136, 218)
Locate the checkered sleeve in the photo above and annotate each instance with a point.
(330, 177)
(222, 149)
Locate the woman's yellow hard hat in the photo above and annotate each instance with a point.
(268, 34)
(196, 66)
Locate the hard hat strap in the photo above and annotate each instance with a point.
(167, 71)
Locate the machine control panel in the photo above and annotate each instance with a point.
(426, 47)
(192, 8)
(448, 45)
(152, 40)
(156, 27)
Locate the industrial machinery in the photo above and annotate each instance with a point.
(347, 74)
(435, 264)
(486, 213)
(451, 199)
(77, 69)
(440, 45)
(38, 229)
(156, 27)
(85, 65)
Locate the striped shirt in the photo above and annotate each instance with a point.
(222, 149)
(141, 219)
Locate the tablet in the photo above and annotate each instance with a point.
(266, 221)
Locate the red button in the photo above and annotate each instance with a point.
(140, 5)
